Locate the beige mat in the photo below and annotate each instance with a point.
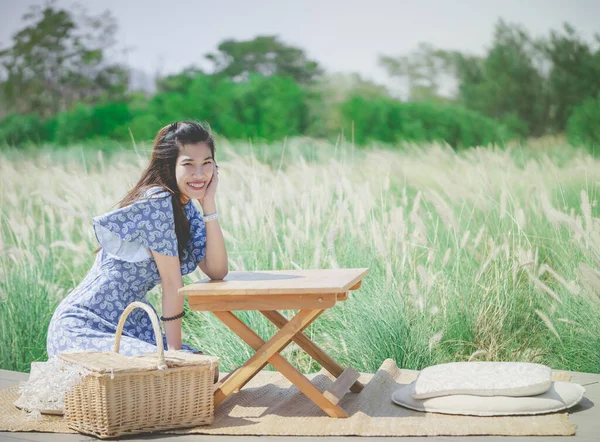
(269, 405)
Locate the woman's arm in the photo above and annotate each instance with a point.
(215, 264)
(172, 303)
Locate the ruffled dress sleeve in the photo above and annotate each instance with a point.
(128, 232)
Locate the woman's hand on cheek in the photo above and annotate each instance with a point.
(211, 189)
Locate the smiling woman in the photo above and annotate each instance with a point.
(195, 168)
(157, 235)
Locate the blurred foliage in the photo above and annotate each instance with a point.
(57, 86)
(392, 121)
(267, 108)
(575, 73)
(88, 122)
(57, 60)
(530, 85)
(326, 96)
(264, 55)
(583, 127)
(17, 129)
(422, 69)
(178, 82)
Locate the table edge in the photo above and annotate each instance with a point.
(189, 290)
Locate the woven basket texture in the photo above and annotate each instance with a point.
(126, 395)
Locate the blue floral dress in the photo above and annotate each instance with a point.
(124, 271)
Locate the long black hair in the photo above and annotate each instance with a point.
(161, 171)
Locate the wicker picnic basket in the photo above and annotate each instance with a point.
(130, 395)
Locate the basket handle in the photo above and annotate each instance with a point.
(162, 365)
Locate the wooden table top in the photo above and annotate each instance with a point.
(278, 282)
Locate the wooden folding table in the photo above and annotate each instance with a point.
(309, 291)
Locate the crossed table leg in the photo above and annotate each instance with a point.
(268, 352)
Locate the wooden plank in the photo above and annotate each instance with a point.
(283, 366)
(227, 303)
(356, 286)
(220, 382)
(278, 282)
(340, 387)
(312, 349)
(306, 387)
(342, 296)
(279, 340)
(265, 364)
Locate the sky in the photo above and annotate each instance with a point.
(341, 35)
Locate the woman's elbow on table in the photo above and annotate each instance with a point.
(212, 274)
(217, 275)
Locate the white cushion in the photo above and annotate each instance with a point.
(483, 379)
(561, 395)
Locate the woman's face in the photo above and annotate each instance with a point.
(193, 170)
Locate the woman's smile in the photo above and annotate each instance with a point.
(197, 185)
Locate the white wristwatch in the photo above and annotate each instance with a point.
(210, 217)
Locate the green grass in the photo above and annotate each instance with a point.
(485, 254)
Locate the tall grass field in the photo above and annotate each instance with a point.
(484, 254)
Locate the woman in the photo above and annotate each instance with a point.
(155, 236)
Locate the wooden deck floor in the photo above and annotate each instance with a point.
(586, 415)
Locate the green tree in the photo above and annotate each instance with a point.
(268, 108)
(574, 75)
(180, 82)
(57, 60)
(422, 69)
(17, 129)
(325, 96)
(264, 55)
(196, 99)
(509, 82)
(504, 84)
(583, 126)
(391, 121)
(468, 71)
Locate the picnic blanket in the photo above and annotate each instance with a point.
(270, 406)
